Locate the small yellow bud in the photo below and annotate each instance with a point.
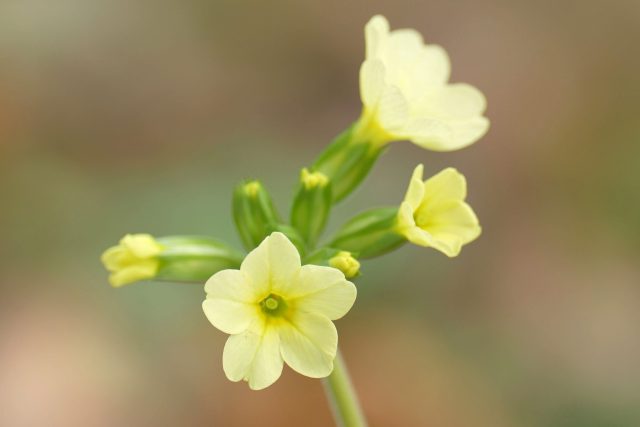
(134, 259)
(346, 263)
(251, 188)
(313, 179)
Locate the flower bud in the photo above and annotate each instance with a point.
(311, 205)
(370, 234)
(134, 258)
(253, 212)
(347, 161)
(336, 258)
(346, 263)
(176, 258)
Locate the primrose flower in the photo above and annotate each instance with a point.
(434, 213)
(277, 311)
(135, 258)
(406, 95)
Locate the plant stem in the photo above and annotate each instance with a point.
(342, 396)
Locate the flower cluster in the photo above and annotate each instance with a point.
(278, 299)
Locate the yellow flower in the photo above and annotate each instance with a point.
(135, 258)
(277, 311)
(406, 95)
(434, 213)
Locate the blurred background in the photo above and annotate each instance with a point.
(139, 116)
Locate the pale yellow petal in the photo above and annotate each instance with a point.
(253, 357)
(414, 67)
(448, 117)
(112, 258)
(308, 344)
(418, 236)
(141, 245)
(458, 101)
(415, 191)
(274, 262)
(376, 32)
(404, 60)
(372, 83)
(405, 41)
(393, 111)
(231, 317)
(438, 134)
(231, 285)
(231, 304)
(385, 101)
(435, 65)
(405, 217)
(454, 224)
(446, 185)
(322, 290)
(141, 270)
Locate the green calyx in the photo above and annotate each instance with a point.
(194, 258)
(311, 205)
(253, 213)
(370, 234)
(347, 161)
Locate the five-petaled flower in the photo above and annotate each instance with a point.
(277, 311)
(406, 95)
(134, 258)
(434, 213)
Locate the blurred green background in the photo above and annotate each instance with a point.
(139, 116)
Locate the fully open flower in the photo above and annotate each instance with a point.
(406, 95)
(135, 258)
(434, 212)
(277, 311)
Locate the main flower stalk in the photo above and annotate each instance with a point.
(342, 396)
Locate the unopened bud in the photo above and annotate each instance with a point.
(346, 263)
(311, 205)
(253, 212)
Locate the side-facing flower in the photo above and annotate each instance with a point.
(277, 311)
(406, 95)
(434, 213)
(134, 258)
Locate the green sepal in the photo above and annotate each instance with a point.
(253, 213)
(346, 162)
(370, 233)
(311, 206)
(194, 258)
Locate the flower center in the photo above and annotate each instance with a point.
(273, 305)
(422, 217)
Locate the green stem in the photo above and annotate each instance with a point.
(342, 396)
